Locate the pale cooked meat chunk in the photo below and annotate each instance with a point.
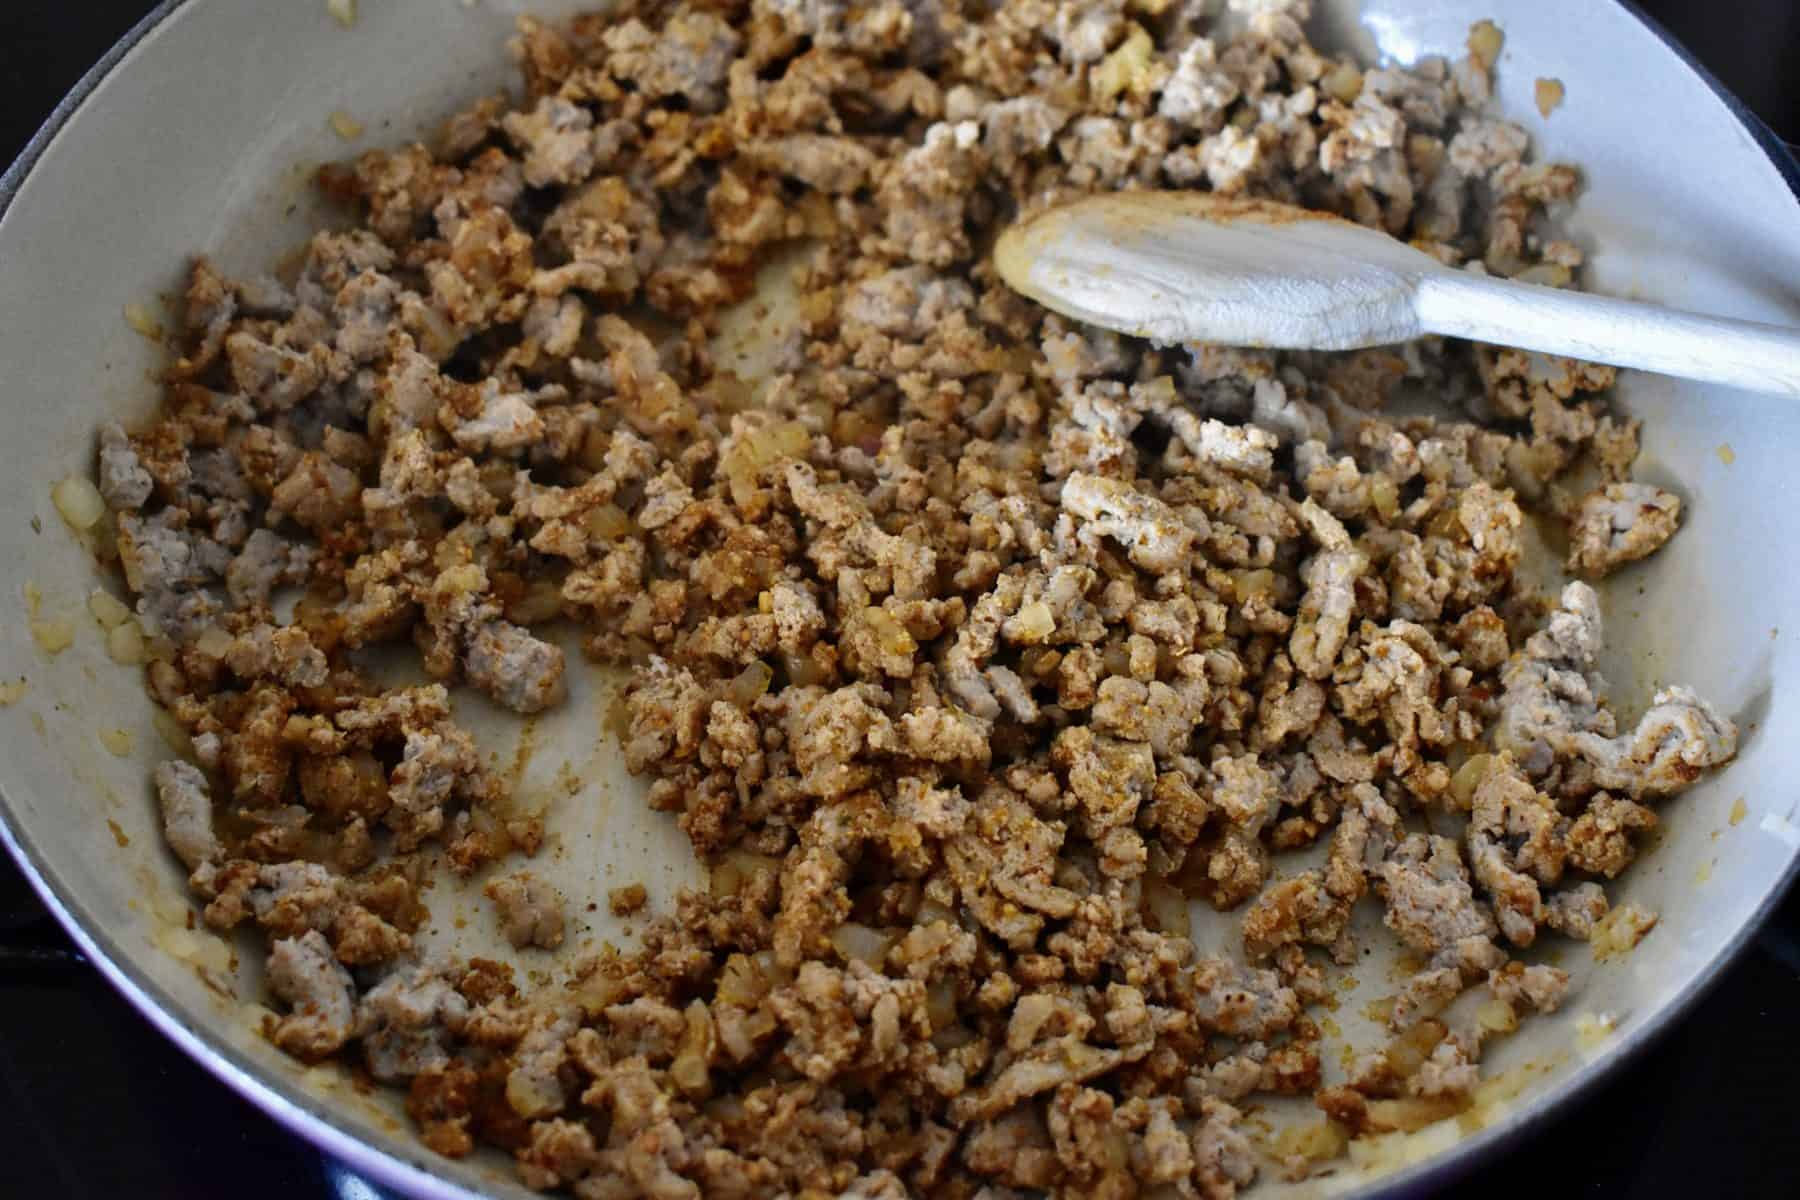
(319, 994)
(1152, 535)
(407, 1021)
(1618, 524)
(558, 140)
(265, 562)
(520, 671)
(1549, 714)
(1043, 1068)
(530, 910)
(124, 483)
(185, 798)
(688, 58)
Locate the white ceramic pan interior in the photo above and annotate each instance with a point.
(202, 133)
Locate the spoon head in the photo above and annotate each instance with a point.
(1194, 267)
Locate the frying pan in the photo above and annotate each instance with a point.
(200, 132)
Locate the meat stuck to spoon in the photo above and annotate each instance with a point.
(1196, 267)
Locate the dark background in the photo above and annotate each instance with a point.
(93, 1103)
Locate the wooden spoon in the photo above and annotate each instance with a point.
(1195, 267)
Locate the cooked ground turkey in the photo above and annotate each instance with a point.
(966, 649)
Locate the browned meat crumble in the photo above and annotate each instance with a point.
(966, 649)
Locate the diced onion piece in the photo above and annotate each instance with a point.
(690, 1068)
(1170, 908)
(1126, 69)
(1395, 1150)
(1409, 1050)
(803, 670)
(771, 968)
(1384, 496)
(179, 942)
(437, 336)
(606, 521)
(12, 693)
(1497, 1016)
(931, 912)
(171, 732)
(598, 992)
(737, 869)
(818, 218)
(741, 982)
(1413, 1112)
(1620, 930)
(1592, 1029)
(143, 322)
(116, 741)
(862, 943)
(1468, 777)
(125, 645)
(1497, 1090)
(103, 539)
(1549, 95)
(214, 643)
(786, 440)
(1248, 585)
(757, 1026)
(53, 637)
(533, 1095)
(344, 11)
(1485, 41)
(79, 503)
(461, 579)
(1343, 83)
(940, 1004)
(750, 684)
(890, 635)
(1034, 622)
(744, 462)
(953, 1037)
(1546, 275)
(853, 427)
(108, 609)
(1316, 1143)
(325, 1077)
(345, 125)
(818, 307)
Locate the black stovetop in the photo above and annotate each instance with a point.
(94, 1103)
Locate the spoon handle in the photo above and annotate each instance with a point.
(1600, 329)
